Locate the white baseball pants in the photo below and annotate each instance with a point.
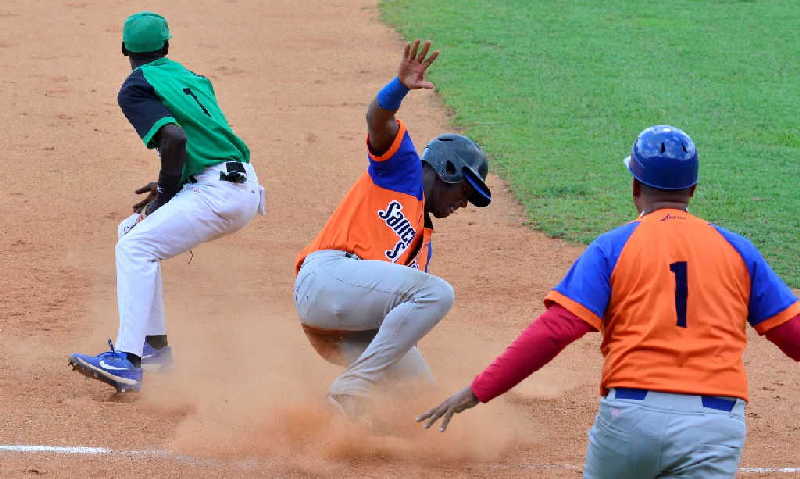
(200, 212)
(336, 292)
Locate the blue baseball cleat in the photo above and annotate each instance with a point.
(111, 367)
(156, 360)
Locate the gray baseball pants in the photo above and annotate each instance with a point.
(664, 436)
(339, 292)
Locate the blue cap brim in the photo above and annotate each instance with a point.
(482, 196)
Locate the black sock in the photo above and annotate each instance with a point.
(134, 359)
(157, 342)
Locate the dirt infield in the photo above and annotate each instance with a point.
(294, 78)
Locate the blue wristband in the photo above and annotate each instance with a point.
(390, 96)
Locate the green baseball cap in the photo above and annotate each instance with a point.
(145, 32)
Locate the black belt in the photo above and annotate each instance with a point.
(234, 173)
(713, 402)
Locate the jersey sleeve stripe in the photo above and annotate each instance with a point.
(398, 140)
(778, 319)
(574, 307)
(148, 137)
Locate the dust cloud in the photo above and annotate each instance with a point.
(247, 385)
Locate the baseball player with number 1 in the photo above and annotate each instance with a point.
(206, 189)
(671, 294)
(362, 291)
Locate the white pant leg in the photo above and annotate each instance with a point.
(200, 212)
(156, 324)
(335, 292)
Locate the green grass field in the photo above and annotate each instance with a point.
(556, 91)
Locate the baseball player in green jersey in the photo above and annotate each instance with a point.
(206, 189)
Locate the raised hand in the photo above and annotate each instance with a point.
(458, 402)
(416, 61)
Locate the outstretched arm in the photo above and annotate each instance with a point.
(381, 123)
(536, 346)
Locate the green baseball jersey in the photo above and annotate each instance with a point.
(163, 92)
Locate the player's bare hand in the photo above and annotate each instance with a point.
(152, 191)
(414, 64)
(458, 402)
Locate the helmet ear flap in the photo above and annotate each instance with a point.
(450, 168)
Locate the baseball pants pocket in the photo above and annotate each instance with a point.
(706, 445)
(709, 461)
(235, 204)
(613, 451)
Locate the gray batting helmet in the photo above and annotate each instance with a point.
(456, 158)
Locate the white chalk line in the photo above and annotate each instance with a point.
(78, 450)
(85, 450)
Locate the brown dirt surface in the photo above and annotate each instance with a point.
(246, 398)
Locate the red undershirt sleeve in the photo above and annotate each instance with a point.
(787, 337)
(537, 345)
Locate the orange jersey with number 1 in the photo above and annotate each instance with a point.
(672, 295)
(382, 217)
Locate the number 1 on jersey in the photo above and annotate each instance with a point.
(189, 92)
(680, 270)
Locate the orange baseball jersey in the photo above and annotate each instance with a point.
(672, 295)
(382, 217)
